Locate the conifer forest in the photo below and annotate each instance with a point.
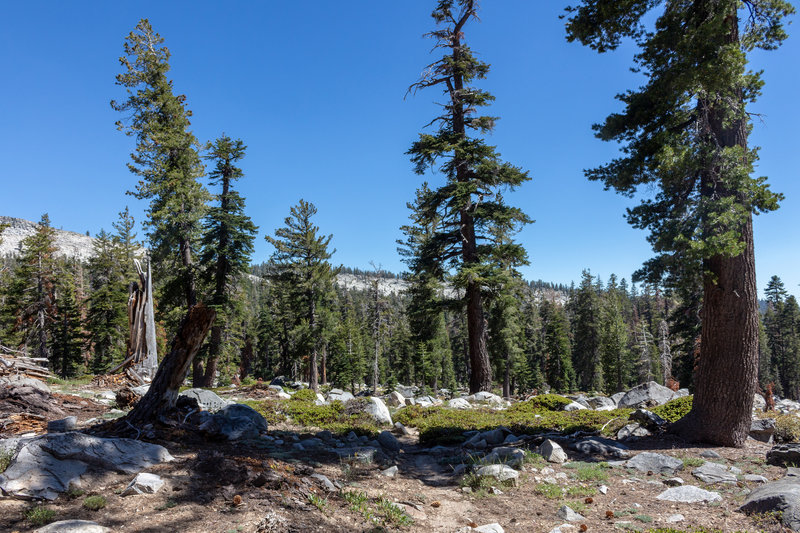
(463, 317)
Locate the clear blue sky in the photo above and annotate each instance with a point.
(316, 91)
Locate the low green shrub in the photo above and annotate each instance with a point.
(548, 402)
(787, 428)
(39, 516)
(94, 503)
(304, 395)
(674, 410)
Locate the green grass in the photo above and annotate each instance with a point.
(71, 382)
(169, 504)
(318, 502)
(383, 512)
(589, 471)
(551, 491)
(691, 462)
(580, 492)
(392, 514)
(39, 516)
(94, 503)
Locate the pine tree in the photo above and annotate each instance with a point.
(467, 207)
(585, 308)
(228, 236)
(558, 371)
(613, 348)
(686, 132)
(301, 260)
(67, 338)
(167, 161)
(30, 294)
(107, 318)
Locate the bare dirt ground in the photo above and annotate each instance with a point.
(265, 487)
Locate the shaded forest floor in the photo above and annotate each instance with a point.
(268, 486)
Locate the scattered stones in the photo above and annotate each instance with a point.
(63, 425)
(782, 496)
(647, 394)
(631, 431)
(566, 513)
(47, 465)
(648, 419)
(378, 411)
(762, 429)
(389, 441)
(784, 454)
(501, 473)
(689, 494)
(713, 473)
(655, 462)
(552, 452)
(73, 526)
(143, 483)
(203, 399)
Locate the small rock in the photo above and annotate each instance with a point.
(689, 494)
(713, 473)
(400, 428)
(672, 519)
(488, 528)
(632, 431)
(566, 513)
(710, 454)
(389, 472)
(144, 483)
(204, 399)
(499, 472)
(655, 462)
(755, 478)
(763, 429)
(674, 482)
(395, 399)
(601, 446)
(388, 441)
(73, 526)
(602, 489)
(459, 403)
(574, 406)
(325, 482)
(646, 395)
(552, 452)
(63, 425)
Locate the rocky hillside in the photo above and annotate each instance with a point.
(70, 244)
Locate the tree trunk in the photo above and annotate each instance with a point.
(324, 365)
(480, 378)
(214, 344)
(172, 371)
(312, 318)
(507, 376)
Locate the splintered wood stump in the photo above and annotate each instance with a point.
(163, 392)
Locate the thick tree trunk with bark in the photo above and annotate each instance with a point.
(214, 348)
(172, 371)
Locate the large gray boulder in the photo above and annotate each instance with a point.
(339, 395)
(762, 429)
(655, 462)
(781, 496)
(206, 400)
(388, 441)
(601, 403)
(646, 395)
(18, 380)
(235, 422)
(378, 411)
(486, 398)
(47, 465)
(459, 403)
(552, 452)
(395, 399)
(600, 446)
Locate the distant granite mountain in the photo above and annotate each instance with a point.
(78, 246)
(70, 244)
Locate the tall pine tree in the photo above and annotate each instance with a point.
(685, 131)
(467, 206)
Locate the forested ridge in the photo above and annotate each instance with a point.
(596, 335)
